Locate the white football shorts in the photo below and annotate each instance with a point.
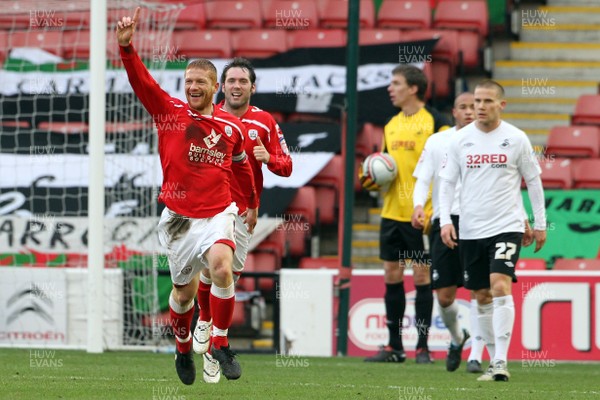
(187, 239)
(242, 243)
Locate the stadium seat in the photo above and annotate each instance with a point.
(14, 21)
(66, 128)
(462, 15)
(446, 49)
(317, 38)
(298, 234)
(556, 174)
(50, 41)
(531, 264)
(328, 183)
(404, 14)
(205, 43)
(321, 262)
(587, 174)
(258, 43)
(445, 57)
(574, 141)
(469, 47)
(470, 19)
(3, 46)
(267, 258)
(304, 204)
(577, 264)
(300, 220)
(77, 44)
(378, 36)
(587, 110)
(369, 140)
(334, 14)
(79, 19)
(233, 14)
(191, 17)
(292, 14)
(247, 283)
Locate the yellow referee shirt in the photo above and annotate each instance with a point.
(404, 140)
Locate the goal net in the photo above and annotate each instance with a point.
(44, 89)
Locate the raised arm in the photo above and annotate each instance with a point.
(154, 99)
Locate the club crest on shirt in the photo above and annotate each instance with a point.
(253, 134)
(228, 131)
(212, 139)
(505, 144)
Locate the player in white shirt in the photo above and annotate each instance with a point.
(447, 272)
(490, 157)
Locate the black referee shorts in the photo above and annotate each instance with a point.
(481, 257)
(400, 241)
(446, 268)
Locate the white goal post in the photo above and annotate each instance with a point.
(80, 177)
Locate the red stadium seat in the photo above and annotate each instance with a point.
(77, 44)
(79, 19)
(378, 36)
(191, 17)
(292, 14)
(577, 264)
(446, 49)
(233, 14)
(334, 14)
(574, 141)
(18, 20)
(3, 46)
(298, 226)
(556, 174)
(205, 43)
(470, 19)
(404, 14)
(304, 204)
(50, 41)
(463, 15)
(66, 128)
(469, 47)
(531, 264)
(587, 110)
(317, 38)
(328, 183)
(298, 234)
(258, 43)
(587, 174)
(321, 262)
(267, 258)
(246, 283)
(369, 140)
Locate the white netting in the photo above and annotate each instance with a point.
(44, 96)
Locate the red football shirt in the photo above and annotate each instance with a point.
(196, 151)
(261, 124)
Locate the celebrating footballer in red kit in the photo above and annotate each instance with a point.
(265, 144)
(200, 148)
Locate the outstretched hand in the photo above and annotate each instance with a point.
(126, 27)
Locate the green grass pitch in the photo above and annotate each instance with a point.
(49, 374)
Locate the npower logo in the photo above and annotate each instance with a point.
(578, 294)
(367, 325)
